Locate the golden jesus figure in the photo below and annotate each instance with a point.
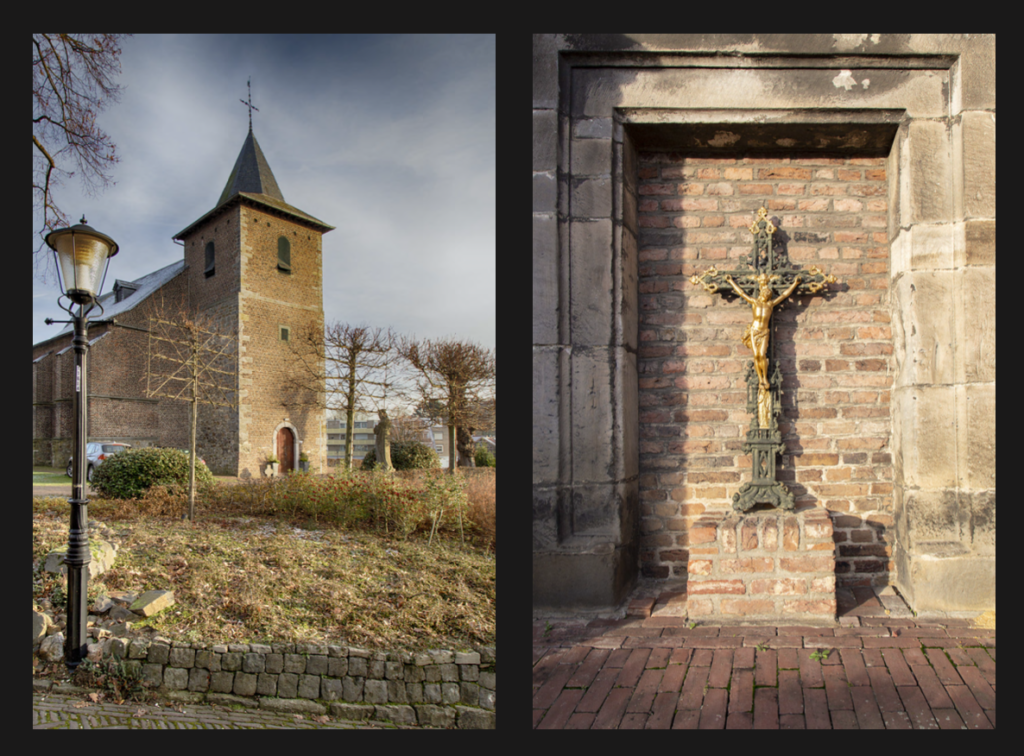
(756, 335)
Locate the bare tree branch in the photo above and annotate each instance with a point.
(72, 80)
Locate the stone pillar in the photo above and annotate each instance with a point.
(943, 315)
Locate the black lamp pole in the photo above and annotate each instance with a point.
(78, 556)
(82, 254)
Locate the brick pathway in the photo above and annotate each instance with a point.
(872, 671)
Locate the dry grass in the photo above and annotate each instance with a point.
(262, 563)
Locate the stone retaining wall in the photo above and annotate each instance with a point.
(433, 688)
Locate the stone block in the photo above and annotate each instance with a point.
(928, 155)
(175, 678)
(151, 602)
(253, 663)
(947, 578)
(550, 381)
(182, 657)
(414, 692)
(591, 198)
(396, 691)
(404, 715)
(601, 577)
(316, 665)
(356, 666)
(545, 140)
(924, 328)
(287, 685)
(932, 246)
(544, 192)
(934, 516)
(590, 286)
(245, 684)
(450, 692)
(428, 715)
(198, 680)
(231, 661)
(309, 686)
(274, 663)
(924, 430)
(546, 277)
(351, 712)
(330, 689)
(222, 682)
(266, 684)
(159, 653)
(375, 669)
(352, 688)
(590, 157)
(978, 132)
(432, 692)
(976, 435)
(294, 663)
(474, 719)
(153, 674)
(975, 324)
(337, 666)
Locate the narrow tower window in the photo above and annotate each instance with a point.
(209, 259)
(284, 254)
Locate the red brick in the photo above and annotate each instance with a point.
(712, 715)
(561, 710)
(765, 669)
(662, 711)
(715, 587)
(968, 707)
(791, 700)
(836, 688)
(597, 692)
(611, 712)
(747, 606)
(916, 706)
(693, 689)
(866, 709)
(766, 709)
(816, 709)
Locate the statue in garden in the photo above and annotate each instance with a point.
(383, 445)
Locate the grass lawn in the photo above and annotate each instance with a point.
(260, 565)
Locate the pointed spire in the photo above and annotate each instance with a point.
(251, 174)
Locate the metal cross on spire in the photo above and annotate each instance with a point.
(249, 104)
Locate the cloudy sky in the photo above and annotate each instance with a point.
(390, 139)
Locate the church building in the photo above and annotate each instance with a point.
(253, 263)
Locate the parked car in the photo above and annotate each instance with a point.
(95, 453)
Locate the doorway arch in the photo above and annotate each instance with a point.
(286, 446)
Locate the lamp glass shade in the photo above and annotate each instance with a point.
(83, 259)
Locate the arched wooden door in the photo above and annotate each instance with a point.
(286, 449)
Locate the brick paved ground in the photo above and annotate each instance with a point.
(74, 712)
(872, 670)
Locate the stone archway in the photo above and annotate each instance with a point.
(286, 446)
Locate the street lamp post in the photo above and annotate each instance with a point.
(82, 254)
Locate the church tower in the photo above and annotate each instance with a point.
(254, 263)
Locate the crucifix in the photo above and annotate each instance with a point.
(771, 282)
(249, 104)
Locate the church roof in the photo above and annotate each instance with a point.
(251, 181)
(144, 287)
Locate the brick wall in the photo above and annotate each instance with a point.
(835, 352)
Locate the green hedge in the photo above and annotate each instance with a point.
(406, 455)
(131, 473)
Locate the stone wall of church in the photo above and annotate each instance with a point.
(273, 299)
(835, 351)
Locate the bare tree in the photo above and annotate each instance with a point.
(352, 368)
(72, 80)
(455, 377)
(191, 358)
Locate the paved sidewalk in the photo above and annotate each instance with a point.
(873, 670)
(77, 712)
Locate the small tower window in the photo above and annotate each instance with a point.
(285, 333)
(284, 254)
(209, 259)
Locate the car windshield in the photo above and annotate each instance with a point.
(113, 448)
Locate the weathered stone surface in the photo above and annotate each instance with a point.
(309, 686)
(351, 712)
(474, 719)
(41, 622)
(292, 706)
(929, 173)
(352, 688)
(590, 288)
(924, 328)
(182, 657)
(924, 424)
(375, 692)
(151, 602)
(222, 682)
(428, 715)
(266, 684)
(975, 327)
(404, 715)
(102, 555)
(287, 685)
(978, 132)
(198, 679)
(545, 139)
(253, 663)
(52, 647)
(330, 689)
(175, 678)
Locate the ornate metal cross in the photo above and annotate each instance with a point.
(772, 281)
(249, 104)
